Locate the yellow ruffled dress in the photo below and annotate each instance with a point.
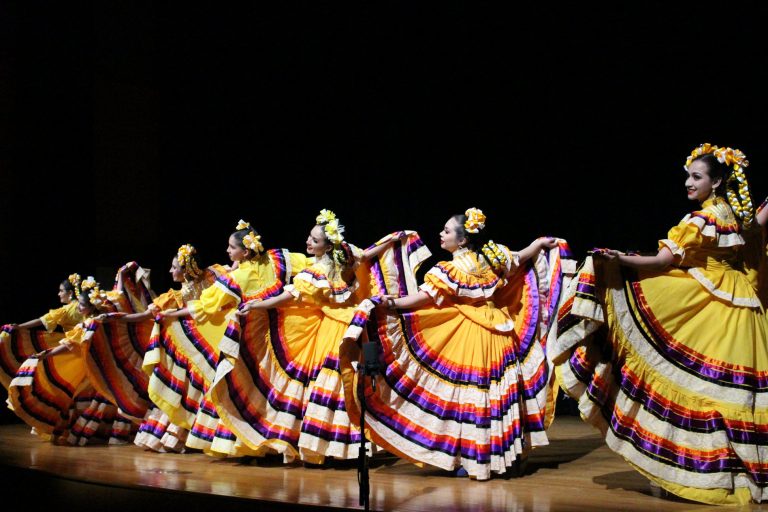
(672, 366)
(464, 380)
(94, 388)
(157, 432)
(283, 391)
(16, 345)
(183, 360)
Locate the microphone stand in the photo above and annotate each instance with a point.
(369, 367)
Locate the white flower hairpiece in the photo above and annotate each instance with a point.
(475, 220)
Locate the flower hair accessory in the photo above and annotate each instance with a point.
(334, 231)
(325, 217)
(97, 297)
(740, 198)
(74, 280)
(252, 241)
(733, 158)
(475, 220)
(89, 283)
(241, 224)
(187, 262)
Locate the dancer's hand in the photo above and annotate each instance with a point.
(41, 355)
(246, 307)
(400, 235)
(548, 242)
(387, 302)
(608, 254)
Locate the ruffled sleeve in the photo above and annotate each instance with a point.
(714, 225)
(79, 334)
(169, 300)
(446, 280)
(682, 237)
(435, 287)
(66, 316)
(312, 285)
(309, 288)
(223, 295)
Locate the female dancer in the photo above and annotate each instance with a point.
(157, 432)
(284, 392)
(188, 352)
(668, 354)
(464, 380)
(49, 385)
(19, 341)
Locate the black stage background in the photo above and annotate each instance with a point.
(166, 123)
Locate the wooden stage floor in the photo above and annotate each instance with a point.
(576, 472)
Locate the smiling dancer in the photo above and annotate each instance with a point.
(668, 354)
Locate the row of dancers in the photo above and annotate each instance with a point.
(667, 354)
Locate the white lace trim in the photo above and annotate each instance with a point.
(748, 302)
(672, 246)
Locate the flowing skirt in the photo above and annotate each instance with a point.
(675, 378)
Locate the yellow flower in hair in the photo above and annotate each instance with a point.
(184, 253)
(241, 224)
(702, 150)
(74, 279)
(186, 262)
(253, 242)
(97, 296)
(325, 217)
(475, 220)
(89, 283)
(732, 158)
(334, 231)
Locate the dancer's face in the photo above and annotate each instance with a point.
(84, 307)
(450, 237)
(699, 185)
(176, 273)
(236, 253)
(64, 296)
(317, 244)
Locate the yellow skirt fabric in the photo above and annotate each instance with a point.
(455, 393)
(181, 362)
(673, 375)
(284, 392)
(113, 360)
(455, 390)
(43, 391)
(53, 395)
(16, 345)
